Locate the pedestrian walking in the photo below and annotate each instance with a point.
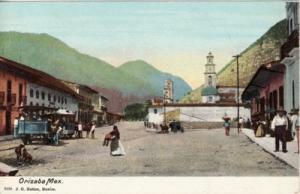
(240, 124)
(93, 130)
(293, 119)
(116, 147)
(226, 124)
(280, 126)
(297, 133)
(58, 126)
(80, 129)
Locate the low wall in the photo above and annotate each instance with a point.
(205, 125)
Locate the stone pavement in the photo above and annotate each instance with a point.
(268, 144)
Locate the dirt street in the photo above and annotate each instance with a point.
(193, 153)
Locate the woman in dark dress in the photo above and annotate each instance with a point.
(116, 147)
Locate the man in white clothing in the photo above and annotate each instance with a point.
(280, 126)
(293, 118)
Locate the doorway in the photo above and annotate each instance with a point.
(8, 123)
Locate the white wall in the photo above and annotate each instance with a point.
(199, 113)
(71, 105)
(291, 73)
(156, 118)
(205, 99)
(211, 114)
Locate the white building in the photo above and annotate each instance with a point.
(197, 112)
(47, 96)
(209, 93)
(290, 58)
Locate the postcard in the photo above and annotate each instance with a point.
(149, 97)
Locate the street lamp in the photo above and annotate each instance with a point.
(238, 90)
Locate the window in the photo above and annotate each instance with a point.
(291, 25)
(66, 101)
(8, 92)
(293, 93)
(262, 105)
(31, 103)
(155, 111)
(31, 93)
(20, 93)
(281, 98)
(37, 94)
(54, 98)
(37, 104)
(49, 97)
(210, 99)
(275, 103)
(209, 81)
(58, 99)
(43, 95)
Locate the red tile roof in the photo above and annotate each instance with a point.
(35, 76)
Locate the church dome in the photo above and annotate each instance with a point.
(207, 91)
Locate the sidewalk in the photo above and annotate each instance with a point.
(268, 144)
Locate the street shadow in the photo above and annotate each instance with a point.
(14, 163)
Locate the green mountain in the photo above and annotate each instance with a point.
(49, 54)
(146, 72)
(263, 50)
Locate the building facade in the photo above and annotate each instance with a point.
(38, 95)
(23, 88)
(85, 106)
(12, 95)
(290, 58)
(209, 93)
(202, 114)
(265, 91)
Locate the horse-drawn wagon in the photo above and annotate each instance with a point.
(44, 126)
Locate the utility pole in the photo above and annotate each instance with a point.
(238, 90)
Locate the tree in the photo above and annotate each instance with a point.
(136, 111)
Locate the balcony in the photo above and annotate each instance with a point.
(292, 42)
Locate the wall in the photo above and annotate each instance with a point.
(204, 114)
(157, 117)
(71, 105)
(205, 99)
(291, 73)
(4, 76)
(211, 114)
(231, 90)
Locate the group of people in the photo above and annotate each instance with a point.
(285, 127)
(89, 128)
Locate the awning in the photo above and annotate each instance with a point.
(261, 79)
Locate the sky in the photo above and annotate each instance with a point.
(174, 37)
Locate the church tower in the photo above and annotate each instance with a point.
(210, 72)
(168, 91)
(210, 93)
